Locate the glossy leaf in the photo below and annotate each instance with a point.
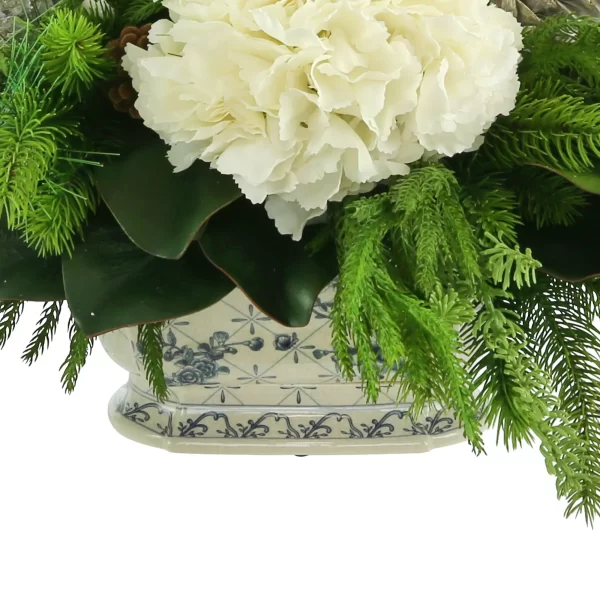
(110, 283)
(24, 275)
(279, 275)
(162, 211)
(571, 253)
(588, 182)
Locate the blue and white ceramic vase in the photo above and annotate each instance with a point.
(241, 383)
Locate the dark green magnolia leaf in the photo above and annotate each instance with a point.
(571, 253)
(24, 275)
(162, 211)
(110, 283)
(588, 182)
(279, 275)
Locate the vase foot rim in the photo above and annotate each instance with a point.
(137, 432)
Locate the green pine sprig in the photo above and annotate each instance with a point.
(551, 54)
(73, 52)
(142, 11)
(431, 224)
(399, 327)
(546, 198)
(57, 215)
(561, 318)
(10, 313)
(30, 135)
(79, 351)
(150, 342)
(44, 332)
(561, 131)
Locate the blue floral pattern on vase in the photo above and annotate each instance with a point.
(197, 366)
(208, 362)
(284, 342)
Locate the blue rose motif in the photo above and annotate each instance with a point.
(207, 367)
(198, 372)
(284, 342)
(188, 376)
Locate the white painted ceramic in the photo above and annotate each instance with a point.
(241, 383)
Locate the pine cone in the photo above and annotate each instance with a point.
(121, 93)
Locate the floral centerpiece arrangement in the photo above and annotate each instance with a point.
(436, 157)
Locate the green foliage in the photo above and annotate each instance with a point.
(45, 189)
(10, 313)
(80, 349)
(30, 135)
(556, 121)
(24, 72)
(558, 131)
(142, 11)
(59, 212)
(507, 265)
(412, 320)
(44, 332)
(176, 206)
(150, 342)
(547, 198)
(110, 283)
(491, 206)
(73, 52)
(550, 53)
(432, 227)
(565, 340)
(413, 263)
(23, 274)
(282, 277)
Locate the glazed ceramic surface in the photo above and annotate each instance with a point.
(241, 383)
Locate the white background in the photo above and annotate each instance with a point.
(86, 514)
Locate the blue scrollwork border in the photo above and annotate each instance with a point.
(213, 424)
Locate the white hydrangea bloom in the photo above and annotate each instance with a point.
(306, 101)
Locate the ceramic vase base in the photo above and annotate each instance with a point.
(287, 430)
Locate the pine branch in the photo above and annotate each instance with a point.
(43, 193)
(564, 46)
(59, 212)
(73, 53)
(10, 313)
(29, 136)
(547, 198)
(416, 346)
(561, 132)
(142, 11)
(431, 222)
(491, 206)
(44, 332)
(566, 341)
(80, 349)
(508, 265)
(24, 63)
(150, 341)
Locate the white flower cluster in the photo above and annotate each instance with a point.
(306, 101)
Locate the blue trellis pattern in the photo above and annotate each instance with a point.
(209, 360)
(251, 319)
